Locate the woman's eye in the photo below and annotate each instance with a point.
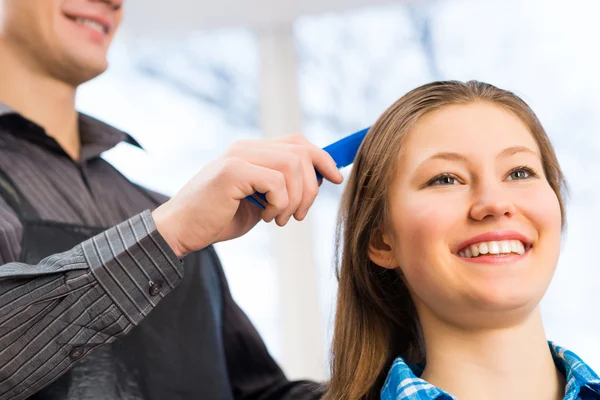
(520, 173)
(443, 180)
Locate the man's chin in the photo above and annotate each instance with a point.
(81, 70)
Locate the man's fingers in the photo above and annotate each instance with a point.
(310, 189)
(270, 182)
(289, 163)
(321, 160)
(296, 159)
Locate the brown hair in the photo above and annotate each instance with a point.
(376, 320)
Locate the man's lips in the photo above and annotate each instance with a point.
(106, 22)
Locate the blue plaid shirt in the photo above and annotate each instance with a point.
(403, 382)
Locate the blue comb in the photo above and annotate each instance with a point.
(343, 153)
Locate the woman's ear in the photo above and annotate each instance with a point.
(381, 250)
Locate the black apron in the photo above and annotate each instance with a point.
(176, 352)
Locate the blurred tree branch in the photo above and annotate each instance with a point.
(206, 81)
(420, 15)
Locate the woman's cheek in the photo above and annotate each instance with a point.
(423, 223)
(540, 205)
(421, 236)
(426, 222)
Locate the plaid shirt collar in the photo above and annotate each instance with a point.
(403, 382)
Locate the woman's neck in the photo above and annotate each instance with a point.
(509, 363)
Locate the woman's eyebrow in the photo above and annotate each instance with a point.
(445, 155)
(451, 156)
(516, 149)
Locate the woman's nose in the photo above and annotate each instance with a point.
(491, 200)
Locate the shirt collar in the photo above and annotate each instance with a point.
(96, 136)
(578, 374)
(403, 382)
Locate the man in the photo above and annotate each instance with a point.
(101, 298)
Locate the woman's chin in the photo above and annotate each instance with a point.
(506, 302)
(507, 291)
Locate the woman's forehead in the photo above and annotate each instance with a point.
(478, 129)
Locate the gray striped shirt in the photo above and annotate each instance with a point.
(53, 313)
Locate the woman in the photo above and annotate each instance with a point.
(450, 229)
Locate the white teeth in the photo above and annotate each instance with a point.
(483, 248)
(92, 24)
(494, 248)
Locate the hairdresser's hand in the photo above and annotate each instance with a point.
(212, 207)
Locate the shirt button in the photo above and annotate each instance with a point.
(76, 353)
(155, 289)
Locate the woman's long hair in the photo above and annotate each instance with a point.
(376, 320)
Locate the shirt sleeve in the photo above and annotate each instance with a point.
(54, 313)
(253, 373)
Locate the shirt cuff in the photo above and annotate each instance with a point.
(134, 265)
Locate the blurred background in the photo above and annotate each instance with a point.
(189, 77)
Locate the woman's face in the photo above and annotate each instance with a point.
(474, 225)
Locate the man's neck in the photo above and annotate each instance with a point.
(509, 363)
(48, 102)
